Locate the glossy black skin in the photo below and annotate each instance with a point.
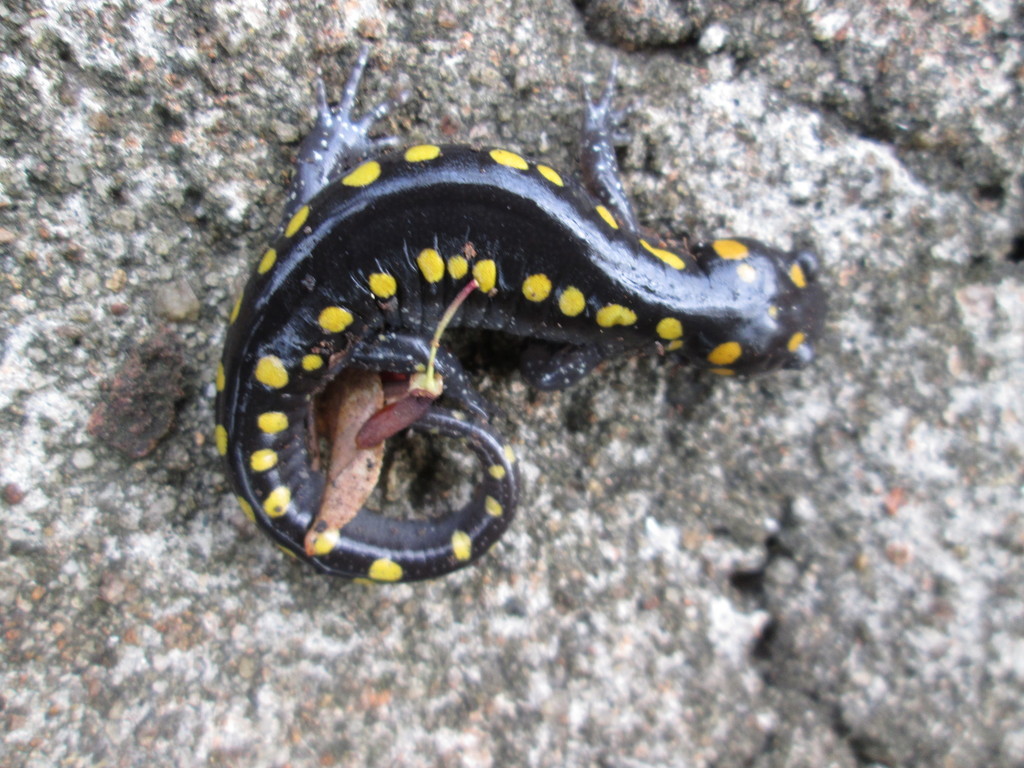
(463, 202)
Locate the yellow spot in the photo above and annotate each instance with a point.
(270, 371)
(796, 274)
(297, 221)
(462, 545)
(335, 319)
(615, 314)
(272, 422)
(492, 506)
(537, 287)
(510, 455)
(422, 152)
(324, 541)
(605, 214)
(672, 346)
(795, 341)
(363, 582)
(723, 371)
(262, 460)
(667, 256)
(551, 175)
(496, 471)
(773, 311)
(511, 159)
(572, 301)
(234, 310)
(458, 267)
(669, 328)
(431, 264)
(312, 362)
(486, 274)
(724, 354)
(267, 262)
(385, 570)
(219, 381)
(366, 173)
(746, 273)
(730, 249)
(247, 509)
(277, 501)
(288, 552)
(220, 437)
(383, 286)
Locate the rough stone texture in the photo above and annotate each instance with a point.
(813, 569)
(136, 406)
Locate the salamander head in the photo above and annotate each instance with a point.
(770, 309)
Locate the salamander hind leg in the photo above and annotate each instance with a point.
(338, 140)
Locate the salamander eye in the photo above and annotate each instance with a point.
(808, 261)
(801, 358)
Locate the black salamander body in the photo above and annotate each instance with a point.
(374, 248)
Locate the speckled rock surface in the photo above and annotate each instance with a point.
(823, 568)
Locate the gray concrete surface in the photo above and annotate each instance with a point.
(820, 568)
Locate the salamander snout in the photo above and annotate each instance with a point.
(805, 306)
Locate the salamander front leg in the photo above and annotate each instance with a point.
(602, 129)
(548, 366)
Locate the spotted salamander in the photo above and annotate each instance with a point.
(374, 246)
